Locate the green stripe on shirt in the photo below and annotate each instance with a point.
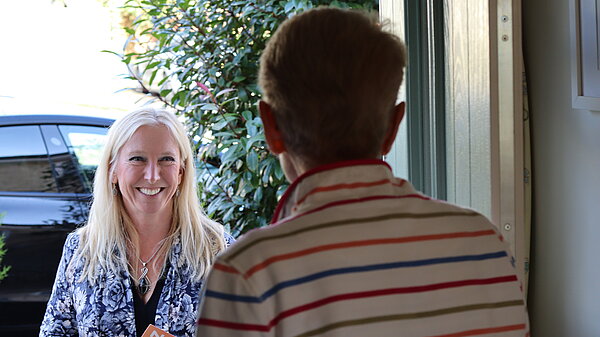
(424, 314)
(345, 222)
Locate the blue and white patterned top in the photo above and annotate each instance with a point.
(79, 308)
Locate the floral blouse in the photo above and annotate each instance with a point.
(78, 308)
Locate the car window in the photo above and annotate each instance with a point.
(85, 143)
(24, 165)
(68, 178)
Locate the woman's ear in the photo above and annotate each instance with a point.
(397, 116)
(113, 175)
(272, 133)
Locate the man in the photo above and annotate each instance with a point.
(354, 251)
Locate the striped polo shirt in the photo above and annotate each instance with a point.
(354, 251)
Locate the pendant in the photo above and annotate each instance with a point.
(144, 281)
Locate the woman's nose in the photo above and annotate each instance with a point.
(152, 173)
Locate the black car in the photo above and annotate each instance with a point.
(47, 165)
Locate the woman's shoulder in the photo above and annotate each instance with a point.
(72, 241)
(71, 246)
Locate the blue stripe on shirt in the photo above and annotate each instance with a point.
(348, 270)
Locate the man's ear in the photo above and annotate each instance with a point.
(272, 132)
(397, 116)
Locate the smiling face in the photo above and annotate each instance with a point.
(148, 171)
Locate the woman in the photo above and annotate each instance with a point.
(146, 247)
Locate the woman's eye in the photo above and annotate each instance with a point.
(168, 158)
(136, 158)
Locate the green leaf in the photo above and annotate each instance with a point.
(243, 94)
(209, 106)
(153, 76)
(258, 194)
(220, 125)
(230, 155)
(237, 200)
(161, 82)
(267, 174)
(289, 6)
(252, 161)
(247, 114)
(112, 52)
(252, 140)
(252, 128)
(228, 215)
(278, 172)
(223, 92)
(153, 65)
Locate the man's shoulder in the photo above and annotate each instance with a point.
(441, 207)
(249, 240)
(334, 226)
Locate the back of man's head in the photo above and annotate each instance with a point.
(331, 77)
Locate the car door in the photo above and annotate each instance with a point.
(40, 204)
(46, 174)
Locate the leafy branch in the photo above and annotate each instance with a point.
(201, 58)
(4, 269)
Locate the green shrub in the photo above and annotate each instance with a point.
(3, 269)
(201, 59)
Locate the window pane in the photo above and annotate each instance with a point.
(468, 114)
(65, 168)
(398, 155)
(393, 12)
(24, 165)
(19, 141)
(86, 144)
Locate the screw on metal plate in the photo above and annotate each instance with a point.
(504, 37)
(504, 18)
(507, 227)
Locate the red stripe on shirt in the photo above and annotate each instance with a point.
(400, 184)
(342, 187)
(390, 291)
(477, 332)
(323, 168)
(351, 201)
(232, 325)
(361, 243)
(358, 295)
(225, 268)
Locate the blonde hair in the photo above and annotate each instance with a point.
(104, 239)
(331, 77)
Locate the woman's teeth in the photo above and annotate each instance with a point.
(149, 191)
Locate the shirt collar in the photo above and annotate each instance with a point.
(330, 182)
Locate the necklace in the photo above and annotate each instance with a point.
(143, 280)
